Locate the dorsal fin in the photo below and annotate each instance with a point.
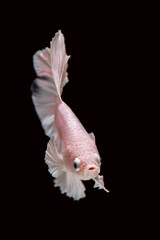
(92, 136)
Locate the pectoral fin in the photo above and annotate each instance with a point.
(99, 183)
(71, 185)
(68, 182)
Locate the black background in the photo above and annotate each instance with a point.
(103, 46)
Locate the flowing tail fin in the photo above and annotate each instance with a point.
(51, 68)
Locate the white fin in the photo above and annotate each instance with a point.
(42, 63)
(68, 182)
(71, 185)
(54, 158)
(44, 99)
(59, 61)
(99, 183)
(92, 136)
(50, 66)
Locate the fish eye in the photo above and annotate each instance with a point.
(98, 158)
(76, 164)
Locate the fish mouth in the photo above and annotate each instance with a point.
(92, 168)
(91, 172)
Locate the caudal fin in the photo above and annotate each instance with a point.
(50, 65)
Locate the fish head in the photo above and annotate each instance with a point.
(87, 166)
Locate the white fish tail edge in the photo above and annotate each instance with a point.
(68, 182)
(99, 183)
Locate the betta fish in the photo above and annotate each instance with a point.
(71, 155)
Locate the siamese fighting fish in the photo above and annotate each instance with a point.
(71, 155)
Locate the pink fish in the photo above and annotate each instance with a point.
(71, 154)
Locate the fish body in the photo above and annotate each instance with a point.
(76, 142)
(71, 155)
